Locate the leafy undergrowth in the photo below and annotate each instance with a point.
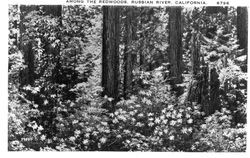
(149, 121)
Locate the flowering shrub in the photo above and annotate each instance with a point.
(217, 134)
(175, 127)
(151, 121)
(234, 81)
(154, 120)
(23, 134)
(82, 131)
(169, 129)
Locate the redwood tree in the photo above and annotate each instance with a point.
(128, 52)
(242, 27)
(175, 42)
(110, 51)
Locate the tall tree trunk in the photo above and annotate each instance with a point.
(134, 35)
(128, 76)
(195, 53)
(175, 42)
(141, 37)
(204, 87)
(242, 28)
(26, 75)
(110, 52)
(198, 85)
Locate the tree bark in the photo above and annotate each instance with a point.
(215, 10)
(204, 88)
(214, 91)
(195, 54)
(242, 28)
(54, 10)
(128, 60)
(175, 42)
(110, 52)
(199, 87)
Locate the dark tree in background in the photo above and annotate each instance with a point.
(28, 75)
(215, 10)
(175, 42)
(214, 91)
(242, 27)
(128, 52)
(55, 11)
(110, 51)
(195, 53)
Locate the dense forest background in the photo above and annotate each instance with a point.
(105, 78)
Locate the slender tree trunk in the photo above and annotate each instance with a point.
(195, 53)
(142, 36)
(214, 91)
(204, 87)
(110, 52)
(197, 85)
(134, 35)
(242, 28)
(128, 76)
(175, 41)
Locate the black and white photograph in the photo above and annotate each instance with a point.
(127, 78)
